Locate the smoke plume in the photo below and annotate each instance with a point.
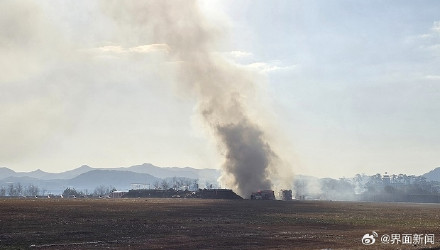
(224, 90)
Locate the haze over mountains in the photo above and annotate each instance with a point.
(88, 178)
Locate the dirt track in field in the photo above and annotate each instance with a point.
(205, 224)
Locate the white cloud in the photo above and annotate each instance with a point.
(430, 41)
(246, 59)
(143, 49)
(433, 33)
(150, 48)
(240, 54)
(265, 68)
(436, 27)
(112, 49)
(435, 47)
(432, 77)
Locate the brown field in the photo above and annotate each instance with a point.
(204, 224)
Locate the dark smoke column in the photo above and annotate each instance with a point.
(225, 91)
(248, 157)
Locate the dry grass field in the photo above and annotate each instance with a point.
(205, 224)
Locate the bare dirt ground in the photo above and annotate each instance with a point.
(205, 224)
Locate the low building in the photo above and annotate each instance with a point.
(117, 194)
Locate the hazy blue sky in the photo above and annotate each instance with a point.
(354, 86)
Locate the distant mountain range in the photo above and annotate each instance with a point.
(39, 174)
(88, 178)
(433, 175)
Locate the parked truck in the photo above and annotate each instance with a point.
(285, 195)
(263, 195)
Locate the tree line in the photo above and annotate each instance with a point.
(20, 190)
(177, 183)
(100, 191)
(17, 189)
